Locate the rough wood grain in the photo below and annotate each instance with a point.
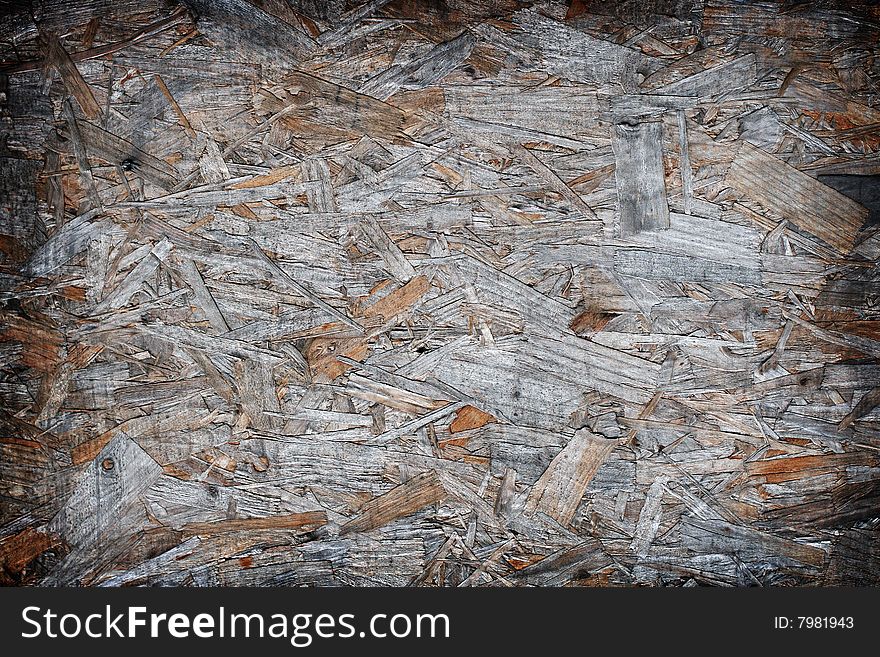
(407, 498)
(641, 188)
(796, 197)
(559, 491)
(439, 293)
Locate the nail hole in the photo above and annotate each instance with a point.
(108, 464)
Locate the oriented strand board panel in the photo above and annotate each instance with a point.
(449, 293)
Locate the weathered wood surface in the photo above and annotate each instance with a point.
(447, 294)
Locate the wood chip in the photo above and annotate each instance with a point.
(407, 498)
(559, 491)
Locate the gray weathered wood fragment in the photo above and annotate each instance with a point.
(641, 188)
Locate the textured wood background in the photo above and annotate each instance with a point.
(446, 293)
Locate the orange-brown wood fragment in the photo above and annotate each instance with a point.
(599, 579)
(17, 551)
(308, 24)
(520, 561)
(466, 457)
(454, 442)
(174, 470)
(81, 355)
(470, 417)
(41, 343)
(322, 352)
(274, 176)
(74, 292)
(204, 221)
(20, 442)
(793, 468)
(243, 211)
(429, 100)
(90, 449)
(576, 8)
(589, 321)
(218, 459)
(307, 521)
(399, 301)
